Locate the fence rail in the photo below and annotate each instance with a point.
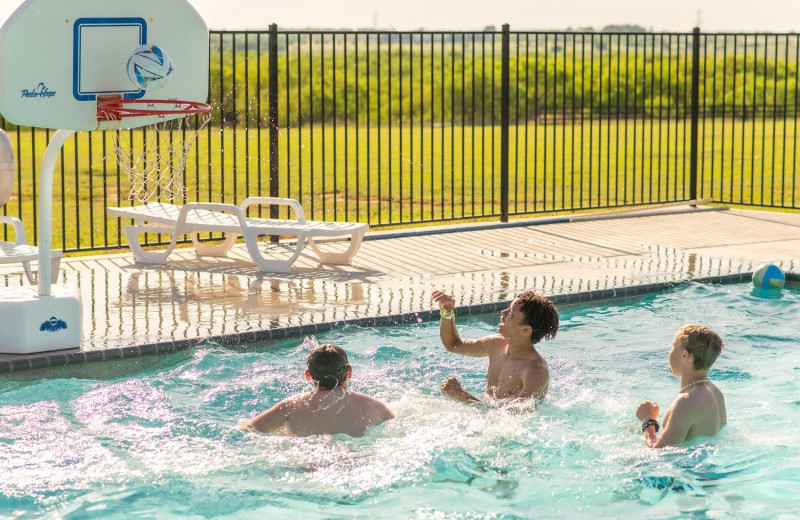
(403, 128)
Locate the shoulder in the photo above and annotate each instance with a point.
(373, 404)
(490, 339)
(690, 404)
(296, 399)
(535, 379)
(292, 403)
(717, 392)
(536, 370)
(364, 399)
(537, 365)
(277, 415)
(494, 341)
(286, 406)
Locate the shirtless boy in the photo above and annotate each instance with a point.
(329, 408)
(699, 409)
(516, 369)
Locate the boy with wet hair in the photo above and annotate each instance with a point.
(517, 371)
(699, 409)
(329, 408)
(328, 366)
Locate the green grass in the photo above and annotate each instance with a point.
(392, 176)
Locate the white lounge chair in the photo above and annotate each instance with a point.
(18, 251)
(203, 217)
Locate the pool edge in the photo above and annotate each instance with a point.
(48, 364)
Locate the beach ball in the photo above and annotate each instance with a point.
(768, 276)
(149, 67)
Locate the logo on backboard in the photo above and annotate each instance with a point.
(41, 91)
(53, 325)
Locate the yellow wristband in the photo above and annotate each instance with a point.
(447, 315)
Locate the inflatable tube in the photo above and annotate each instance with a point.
(6, 168)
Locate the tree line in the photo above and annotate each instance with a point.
(462, 86)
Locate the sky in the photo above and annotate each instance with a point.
(469, 15)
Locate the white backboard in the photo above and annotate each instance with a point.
(58, 56)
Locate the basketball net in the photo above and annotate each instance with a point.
(154, 157)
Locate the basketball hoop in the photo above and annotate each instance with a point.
(113, 109)
(156, 166)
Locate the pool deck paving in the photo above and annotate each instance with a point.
(132, 311)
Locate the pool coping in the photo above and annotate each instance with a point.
(33, 363)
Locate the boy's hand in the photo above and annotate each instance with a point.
(648, 409)
(445, 301)
(452, 387)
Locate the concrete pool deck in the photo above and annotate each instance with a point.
(132, 311)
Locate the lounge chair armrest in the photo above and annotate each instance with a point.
(19, 229)
(154, 229)
(211, 206)
(300, 215)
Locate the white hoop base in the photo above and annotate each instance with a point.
(35, 323)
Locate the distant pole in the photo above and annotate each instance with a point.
(695, 113)
(273, 117)
(505, 98)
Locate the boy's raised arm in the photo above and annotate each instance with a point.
(448, 333)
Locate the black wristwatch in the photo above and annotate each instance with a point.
(650, 422)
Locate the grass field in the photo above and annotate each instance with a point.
(404, 175)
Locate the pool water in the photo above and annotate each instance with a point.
(164, 444)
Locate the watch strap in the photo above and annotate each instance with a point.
(650, 422)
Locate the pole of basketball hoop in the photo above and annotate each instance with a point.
(46, 208)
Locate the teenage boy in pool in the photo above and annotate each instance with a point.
(516, 369)
(329, 408)
(699, 409)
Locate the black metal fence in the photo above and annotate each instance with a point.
(401, 128)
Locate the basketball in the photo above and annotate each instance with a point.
(768, 276)
(149, 67)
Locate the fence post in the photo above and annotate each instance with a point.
(273, 118)
(695, 113)
(505, 86)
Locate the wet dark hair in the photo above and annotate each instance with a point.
(540, 314)
(328, 365)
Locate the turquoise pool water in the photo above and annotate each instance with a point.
(164, 444)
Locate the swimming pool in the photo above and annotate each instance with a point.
(164, 444)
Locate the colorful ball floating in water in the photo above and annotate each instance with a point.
(768, 276)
